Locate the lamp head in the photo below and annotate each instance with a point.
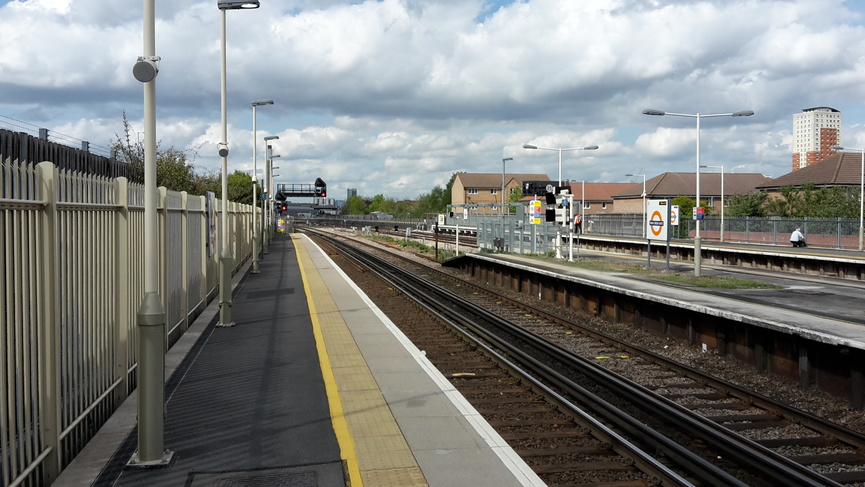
(650, 111)
(223, 149)
(529, 146)
(507, 159)
(590, 147)
(837, 147)
(262, 102)
(236, 4)
(746, 113)
(271, 137)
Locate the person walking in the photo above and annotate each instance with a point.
(578, 224)
(797, 239)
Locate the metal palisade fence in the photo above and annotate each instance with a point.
(71, 282)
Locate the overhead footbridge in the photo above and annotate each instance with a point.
(301, 190)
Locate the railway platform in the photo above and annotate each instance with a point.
(313, 386)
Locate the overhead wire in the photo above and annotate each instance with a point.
(34, 130)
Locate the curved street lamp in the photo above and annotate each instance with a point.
(226, 260)
(255, 233)
(644, 198)
(504, 160)
(861, 186)
(560, 150)
(698, 116)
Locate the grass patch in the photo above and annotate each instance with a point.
(683, 278)
(413, 246)
(714, 282)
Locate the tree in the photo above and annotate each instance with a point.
(355, 206)
(240, 187)
(751, 204)
(175, 172)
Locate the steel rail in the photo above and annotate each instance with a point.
(776, 467)
(695, 465)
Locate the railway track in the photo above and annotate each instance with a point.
(747, 438)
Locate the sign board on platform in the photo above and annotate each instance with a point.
(658, 218)
(535, 212)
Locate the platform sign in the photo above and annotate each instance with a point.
(535, 212)
(674, 215)
(441, 218)
(699, 213)
(465, 213)
(658, 217)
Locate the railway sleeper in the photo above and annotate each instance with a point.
(827, 458)
(755, 425)
(593, 466)
(568, 450)
(850, 477)
(817, 441)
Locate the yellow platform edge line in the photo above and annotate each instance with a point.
(337, 414)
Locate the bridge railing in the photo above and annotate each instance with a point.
(72, 282)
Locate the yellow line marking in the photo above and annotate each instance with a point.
(337, 414)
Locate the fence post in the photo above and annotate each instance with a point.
(162, 225)
(121, 289)
(49, 339)
(184, 261)
(205, 259)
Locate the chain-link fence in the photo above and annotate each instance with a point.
(517, 234)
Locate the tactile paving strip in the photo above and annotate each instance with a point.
(383, 456)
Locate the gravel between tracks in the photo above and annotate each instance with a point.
(726, 368)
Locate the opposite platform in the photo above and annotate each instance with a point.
(314, 385)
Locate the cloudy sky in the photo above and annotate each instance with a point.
(393, 96)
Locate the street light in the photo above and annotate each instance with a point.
(504, 160)
(644, 198)
(722, 198)
(745, 113)
(560, 150)
(255, 233)
(150, 319)
(861, 186)
(270, 184)
(265, 207)
(226, 260)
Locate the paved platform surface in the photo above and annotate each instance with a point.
(313, 386)
(828, 310)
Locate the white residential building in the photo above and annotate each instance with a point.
(815, 131)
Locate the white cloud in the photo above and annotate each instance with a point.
(393, 96)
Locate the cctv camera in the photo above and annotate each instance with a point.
(146, 68)
(223, 150)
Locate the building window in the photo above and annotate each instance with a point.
(603, 206)
(472, 191)
(494, 191)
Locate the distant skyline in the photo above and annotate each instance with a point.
(393, 96)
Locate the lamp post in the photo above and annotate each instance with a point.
(861, 186)
(504, 160)
(265, 208)
(560, 150)
(644, 199)
(722, 197)
(150, 319)
(270, 185)
(226, 260)
(255, 233)
(746, 113)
